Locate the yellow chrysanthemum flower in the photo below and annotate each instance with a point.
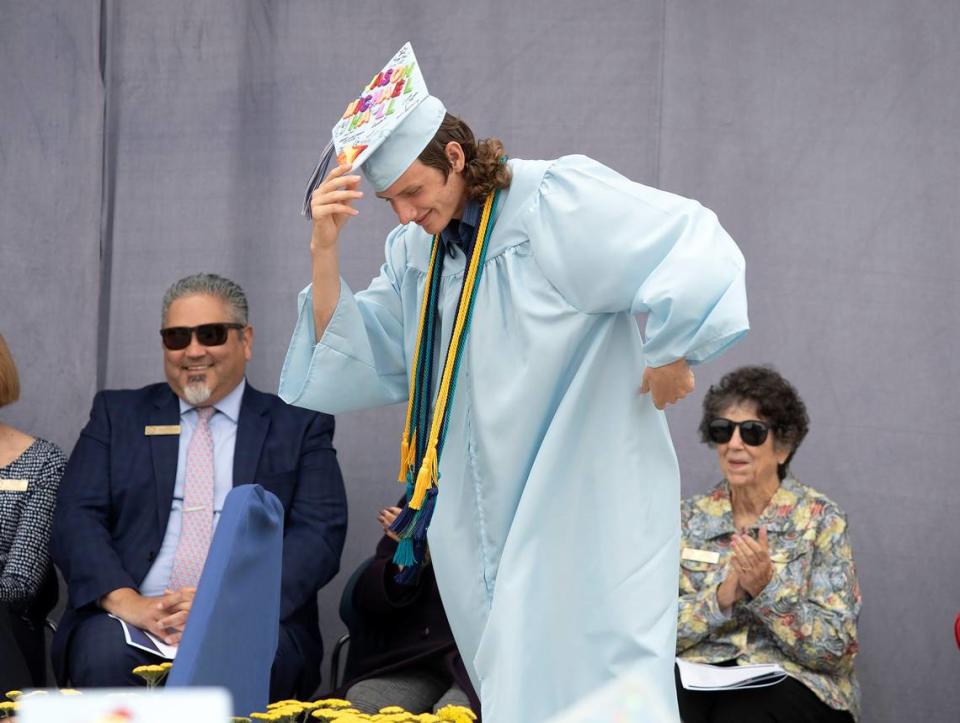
(456, 714)
(153, 674)
(334, 703)
(288, 713)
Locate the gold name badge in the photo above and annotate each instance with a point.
(161, 430)
(700, 555)
(13, 485)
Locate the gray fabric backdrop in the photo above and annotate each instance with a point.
(142, 141)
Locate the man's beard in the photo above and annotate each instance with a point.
(196, 392)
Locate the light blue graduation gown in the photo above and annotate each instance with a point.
(556, 532)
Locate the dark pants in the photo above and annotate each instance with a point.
(20, 643)
(99, 657)
(786, 702)
(23, 649)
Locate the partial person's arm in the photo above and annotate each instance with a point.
(146, 613)
(82, 545)
(28, 556)
(611, 245)
(817, 628)
(316, 522)
(331, 206)
(700, 609)
(699, 614)
(360, 361)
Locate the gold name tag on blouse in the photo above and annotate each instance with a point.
(14, 485)
(700, 555)
(161, 430)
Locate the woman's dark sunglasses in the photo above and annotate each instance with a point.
(752, 432)
(176, 338)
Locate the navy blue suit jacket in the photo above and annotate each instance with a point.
(117, 490)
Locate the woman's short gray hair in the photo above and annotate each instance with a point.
(210, 285)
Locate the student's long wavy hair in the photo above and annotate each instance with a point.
(485, 170)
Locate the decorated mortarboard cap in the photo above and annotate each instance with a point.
(384, 129)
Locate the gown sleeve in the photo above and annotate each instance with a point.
(611, 245)
(359, 361)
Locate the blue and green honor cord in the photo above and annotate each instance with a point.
(423, 437)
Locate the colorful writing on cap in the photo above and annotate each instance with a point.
(373, 104)
(370, 117)
(349, 154)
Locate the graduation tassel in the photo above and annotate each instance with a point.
(422, 521)
(407, 517)
(408, 575)
(404, 554)
(317, 178)
(408, 453)
(404, 451)
(426, 478)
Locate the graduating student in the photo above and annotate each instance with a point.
(504, 314)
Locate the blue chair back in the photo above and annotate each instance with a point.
(231, 635)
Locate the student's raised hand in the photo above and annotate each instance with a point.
(331, 206)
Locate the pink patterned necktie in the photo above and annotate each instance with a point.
(197, 518)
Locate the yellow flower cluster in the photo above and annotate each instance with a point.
(153, 674)
(328, 710)
(336, 710)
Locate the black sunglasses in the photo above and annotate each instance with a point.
(752, 432)
(176, 338)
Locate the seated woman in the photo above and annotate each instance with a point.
(30, 471)
(401, 652)
(766, 570)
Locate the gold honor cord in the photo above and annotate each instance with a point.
(427, 474)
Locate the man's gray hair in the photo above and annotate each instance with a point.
(210, 285)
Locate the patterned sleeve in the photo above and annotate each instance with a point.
(699, 613)
(29, 554)
(817, 629)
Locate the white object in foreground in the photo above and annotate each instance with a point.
(702, 676)
(97, 705)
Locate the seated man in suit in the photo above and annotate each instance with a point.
(143, 488)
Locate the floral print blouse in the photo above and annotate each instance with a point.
(805, 619)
